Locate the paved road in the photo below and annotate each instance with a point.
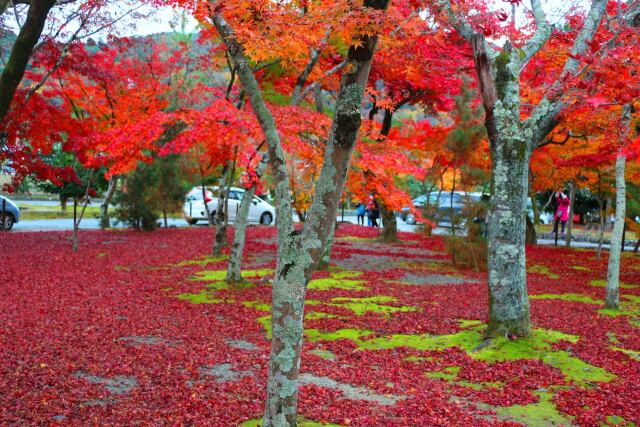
(94, 224)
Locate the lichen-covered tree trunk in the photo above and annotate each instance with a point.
(21, 52)
(326, 255)
(105, 221)
(299, 253)
(572, 200)
(508, 300)
(612, 298)
(234, 269)
(602, 213)
(220, 240)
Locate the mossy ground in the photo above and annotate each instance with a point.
(360, 298)
(302, 422)
(544, 270)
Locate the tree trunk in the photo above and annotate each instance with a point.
(509, 313)
(612, 299)
(602, 209)
(210, 218)
(299, 253)
(63, 203)
(390, 225)
(508, 300)
(637, 246)
(319, 100)
(21, 52)
(105, 221)
(389, 221)
(220, 240)
(452, 216)
(530, 237)
(572, 199)
(326, 255)
(75, 224)
(534, 205)
(234, 269)
(76, 218)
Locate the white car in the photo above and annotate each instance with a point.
(194, 208)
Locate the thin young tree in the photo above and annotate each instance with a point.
(300, 251)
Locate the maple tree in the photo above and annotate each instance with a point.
(513, 138)
(298, 256)
(42, 24)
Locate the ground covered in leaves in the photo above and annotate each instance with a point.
(139, 328)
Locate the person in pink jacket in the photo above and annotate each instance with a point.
(562, 213)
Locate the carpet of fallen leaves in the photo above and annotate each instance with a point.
(137, 329)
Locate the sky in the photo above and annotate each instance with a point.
(160, 22)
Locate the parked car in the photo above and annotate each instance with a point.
(10, 212)
(194, 207)
(445, 209)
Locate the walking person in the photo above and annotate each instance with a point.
(374, 211)
(360, 212)
(562, 211)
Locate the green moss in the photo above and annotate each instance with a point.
(635, 322)
(449, 373)
(219, 275)
(201, 261)
(468, 323)
(257, 305)
(541, 414)
(265, 321)
(467, 384)
(418, 358)
(538, 346)
(349, 334)
(615, 420)
(332, 283)
(544, 270)
(361, 306)
(580, 268)
(324, 354)
(319, 315)
(631, 353)
(622, 285)
(301, 422)
(612, 337)
(629, 306)
(357, 239)
(344, 274)
(202, 298)
(567, 297)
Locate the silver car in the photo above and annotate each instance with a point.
(9, 213)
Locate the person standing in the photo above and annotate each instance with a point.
(360, 211)
(374, 211)
(562, 212)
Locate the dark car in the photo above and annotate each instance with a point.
(441, 205)
(9, 212)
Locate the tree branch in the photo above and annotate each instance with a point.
(460, 24)
(544, 117)
(541, 35)
(264, 117)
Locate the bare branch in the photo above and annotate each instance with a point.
(460, 24)
(544, 117)
(264, 117)
(541, 35)
(313, 85)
